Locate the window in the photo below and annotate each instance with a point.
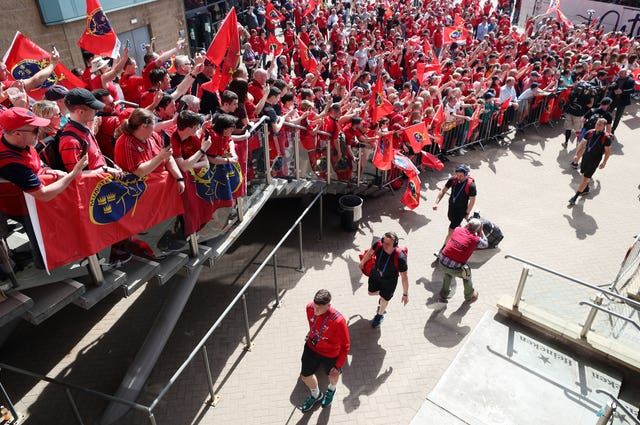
(60, 11)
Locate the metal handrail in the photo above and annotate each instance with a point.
(619, 404)
(256, 125)
(232, 304)
(578, 281)
(613, 313)
(76, 387)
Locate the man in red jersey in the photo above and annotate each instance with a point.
(327, 345)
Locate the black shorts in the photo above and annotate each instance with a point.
(588, 168)
(385, 289)
(312, 360)
(456, 217)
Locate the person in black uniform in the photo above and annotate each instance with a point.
(461, 200)
(620, 91)
(592, 116)
(595, 145)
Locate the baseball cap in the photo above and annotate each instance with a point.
(56, 92)
(14, 118)
(462, 169)
(80, 96)
(606, 101)
(488, 95)
(535, 74)
(535, 85)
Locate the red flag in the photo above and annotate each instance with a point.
(417, 136)
(563, 19)
(429, 53)
(388, 13)
(273, 13)
(309, 7)
(25, 58)
(208, 189)
(437, 122)
(411, 197)
(224, 51)
(458, 21)
(475, 121)
(170, 65)
(431, 161)
(505, 105)
(99, 37)
(547, 112)
(306, 58)
(383, 157)
(379, 105)
(455, 35)
(636, 76)
(553, 6)
(106, 210)
(273, 45)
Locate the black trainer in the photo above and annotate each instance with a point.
(585, 191)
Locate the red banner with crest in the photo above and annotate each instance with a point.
(96, 211)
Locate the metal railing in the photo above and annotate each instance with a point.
(595, 306)
(199, 348)
(609, 409)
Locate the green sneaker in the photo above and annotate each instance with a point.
(328, 398)
(310, 402)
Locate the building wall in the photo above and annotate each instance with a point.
(164, 18)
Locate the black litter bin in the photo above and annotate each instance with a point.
(350, 212)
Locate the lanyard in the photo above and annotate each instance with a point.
(593, 141)
(324, 322)
(381, 272)
(454, 194)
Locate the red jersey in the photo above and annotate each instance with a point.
(131, 152)
(71, 149)
(219, 145)
(184, 148)
(131, 87)
(330, 333)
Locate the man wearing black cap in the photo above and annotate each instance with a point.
(82, 106)
(461, 200)
(591, 117)
(57, 93)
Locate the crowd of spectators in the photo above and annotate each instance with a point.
(492, 78)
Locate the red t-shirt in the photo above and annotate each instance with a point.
(131, 87)
(219, 145)
(130, 152)
(331, 334)
(184, 148)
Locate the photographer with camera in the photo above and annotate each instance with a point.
(580, 101)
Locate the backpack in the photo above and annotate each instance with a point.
(50, 151)
(368, 267)
(467, 186)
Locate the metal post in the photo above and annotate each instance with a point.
(193, 246)
(72, 402)
(275, 280)
(329, 161)
(95, 271)
(360, 159)
(267, 162)
(523, 280)
(240, 208)
(607, 413)
(590, 317)
(296, 152)
(320, 203)
(152, 418)
(207, 367)
(10, 405)
(301, 267)
(247, 331)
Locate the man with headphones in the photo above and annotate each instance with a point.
(391, 262)
(454, 256)
(461, 200)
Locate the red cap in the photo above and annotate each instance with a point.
(14, 118)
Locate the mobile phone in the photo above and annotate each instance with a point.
(128, 44)
(166, 139)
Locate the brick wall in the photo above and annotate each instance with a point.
(164, 19)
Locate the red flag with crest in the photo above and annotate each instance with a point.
(455, 35)
(224, 51)
(24, 59)
(475, 121)
(417, 136)
(273, 13)
(379, 105)
(411, 196)
(436, 124)
(383, 157)
(273, 45)
(309, 7)
(503, 108)
(553, 6)
(99, 37)
(307, 59)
